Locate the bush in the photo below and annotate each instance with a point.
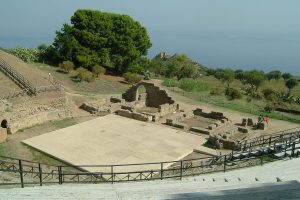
(270, 107)
(84, 75)
(26, 54)
(97, 70)
(66, 66)
(233, 93)
(132, 78)
(216, 91)
(269, 94)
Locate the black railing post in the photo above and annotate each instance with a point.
(40, 175)
(21, 173)
(181, 165)
(225, 160)
(59, 175)
(270, 139)
(112, 173)
(293, 149)
(161, 171)
(285, 148)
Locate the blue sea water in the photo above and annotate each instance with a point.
(238, 50)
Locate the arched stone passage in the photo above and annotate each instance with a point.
(155, 96)
(4, 123)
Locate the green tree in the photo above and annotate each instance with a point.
(99, 38)
(290, 84)
(276, 75)
(254, 78)
(228, 76)
(97, 69)
(286, 76)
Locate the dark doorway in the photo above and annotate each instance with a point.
(4, 124)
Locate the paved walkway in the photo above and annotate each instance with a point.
(278, 180)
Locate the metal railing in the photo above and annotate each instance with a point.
(26, 172)
(16, 77)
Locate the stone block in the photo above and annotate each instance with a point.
(116, 100)
(250, 122)
(179, 125)
(200, 130)
(243, 129)
(261, 126)
(130, 108)
(169, 122)
(244, 122)
(211, 127)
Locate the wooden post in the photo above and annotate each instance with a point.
(21, 173)
(181, 165)
(40, 175)
(161, 171)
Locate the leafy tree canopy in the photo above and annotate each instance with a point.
(254, 78)
(99, 38)
(291, 83)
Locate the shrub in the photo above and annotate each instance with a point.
(233, 93)
(66, 66)
(216, 91)
(270, 107)
(84, 75)
(132, 78)
(97, 70)
(269, 94)
(26, 54)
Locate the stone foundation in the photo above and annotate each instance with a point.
(134, 115)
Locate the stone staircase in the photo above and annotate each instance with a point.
(17, 78)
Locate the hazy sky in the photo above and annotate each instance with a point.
(218, 33)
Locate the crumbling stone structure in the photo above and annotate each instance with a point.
(155, 96)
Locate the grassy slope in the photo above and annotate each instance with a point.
(253, 107)
(99, 86)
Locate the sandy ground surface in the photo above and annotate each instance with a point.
(116, 140)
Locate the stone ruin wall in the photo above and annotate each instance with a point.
(34, 111)
(155, 96)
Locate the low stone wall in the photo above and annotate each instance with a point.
(134, 115)
(170, 122)
(212, 115)
(3, 134)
